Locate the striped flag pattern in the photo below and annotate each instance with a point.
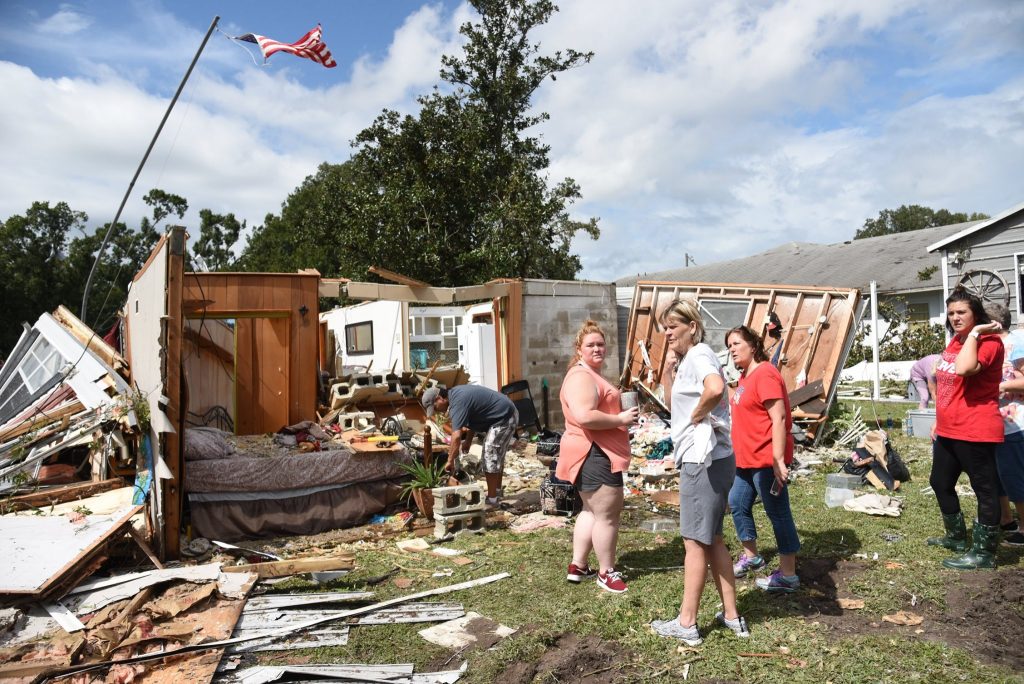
(309, 46)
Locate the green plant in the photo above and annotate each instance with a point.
(927, 272)
(423, 476)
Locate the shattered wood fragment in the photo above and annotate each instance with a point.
(294, 567)
(282, 601)
(194, 648)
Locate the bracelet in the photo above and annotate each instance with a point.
(974, 333)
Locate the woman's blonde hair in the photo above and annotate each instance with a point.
(587, 328)
(683, 310)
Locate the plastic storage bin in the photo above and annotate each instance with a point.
(921, 422)
(839, 487)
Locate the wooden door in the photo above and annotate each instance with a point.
(261, 371)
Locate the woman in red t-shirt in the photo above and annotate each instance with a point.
(967, 428)
(763, 441)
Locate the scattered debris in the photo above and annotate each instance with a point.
(903, 617)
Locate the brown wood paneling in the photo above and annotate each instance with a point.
(812, 348)
(269, 295)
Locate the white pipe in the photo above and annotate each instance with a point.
(876, 375)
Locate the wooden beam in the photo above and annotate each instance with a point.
(396, 277)
(90, 338)
(297, 566)
(42, 419)
(331, 287)
(173, 491)
(57, 495)
(425, 295)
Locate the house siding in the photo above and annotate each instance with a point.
(992, 249)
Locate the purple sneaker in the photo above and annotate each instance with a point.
(747, 563)
(778, 582)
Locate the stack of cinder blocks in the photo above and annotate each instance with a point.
(458, 509)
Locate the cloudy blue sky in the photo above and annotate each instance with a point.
(717, 128)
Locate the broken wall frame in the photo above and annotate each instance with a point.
(818, 325)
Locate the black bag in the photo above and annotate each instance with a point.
(548, 442)
(895, 465)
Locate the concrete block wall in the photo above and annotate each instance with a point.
(553, 311)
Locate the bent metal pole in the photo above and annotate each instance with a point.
(128, 192)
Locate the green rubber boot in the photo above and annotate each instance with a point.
(956, 534)
(983, 553)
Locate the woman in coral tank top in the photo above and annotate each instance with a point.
(593, 454)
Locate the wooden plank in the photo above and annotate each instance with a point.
(173, 492)
(89, 338)
(396, 277)
(294, 567)
(114, 528)
(56, 495)
(804, 394)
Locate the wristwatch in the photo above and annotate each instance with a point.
(974, 333)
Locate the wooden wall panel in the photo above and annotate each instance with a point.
(269, 296)
(817, 324)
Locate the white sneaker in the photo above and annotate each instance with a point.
(672, 629)
(738, 626)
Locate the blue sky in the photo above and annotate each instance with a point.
(717, 128)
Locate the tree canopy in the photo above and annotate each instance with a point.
(457, 193)
(912, 217)
(45, 264)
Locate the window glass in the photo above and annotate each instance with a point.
(359, 338)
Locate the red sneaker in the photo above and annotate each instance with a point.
(577, 574)
(611, 581)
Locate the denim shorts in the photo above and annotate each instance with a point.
(1010, 464)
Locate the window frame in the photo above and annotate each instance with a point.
(351, 337)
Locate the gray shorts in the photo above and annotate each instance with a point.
(703, 498)
(496, 443)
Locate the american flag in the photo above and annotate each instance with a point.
(309, 46)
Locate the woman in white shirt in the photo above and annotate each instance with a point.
(703, 453)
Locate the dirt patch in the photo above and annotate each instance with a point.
(575, 660)
(983, 613)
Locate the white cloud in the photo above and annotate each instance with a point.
(64, 22)
(717, 128)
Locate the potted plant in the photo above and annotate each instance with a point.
(423, 478)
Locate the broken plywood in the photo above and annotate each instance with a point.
(818, 325)
(38, 553)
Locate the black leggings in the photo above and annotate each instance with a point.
(950, 457)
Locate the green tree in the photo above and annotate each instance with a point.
(457, 193)
(126, 252)
(913, 217)
(33, 247)
(217, 234)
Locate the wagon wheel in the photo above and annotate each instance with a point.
(989, 286)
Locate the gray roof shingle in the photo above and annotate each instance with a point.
(894, 261)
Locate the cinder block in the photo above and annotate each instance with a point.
(460, 499)
(450, 525)
(356, 420)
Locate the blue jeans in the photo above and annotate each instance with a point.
(753, 482)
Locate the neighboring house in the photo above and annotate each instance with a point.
(987, 257)
(901, 265)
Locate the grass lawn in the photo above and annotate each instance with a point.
(972, 627)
